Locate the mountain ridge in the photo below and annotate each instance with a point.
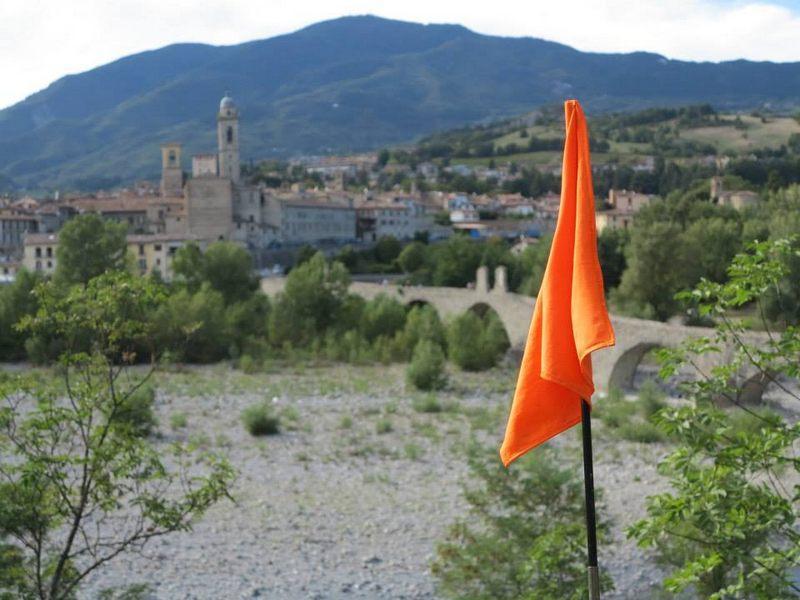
(347, 84)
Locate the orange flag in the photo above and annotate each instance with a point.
(570, 320)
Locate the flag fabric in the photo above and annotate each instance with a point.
(570, 319)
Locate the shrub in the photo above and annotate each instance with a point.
(259, 419)
(427, 368)
(524, 534)
(383, 426)
(382, 316)
(178, 420)
(427, 404)
(475, 343)
(614, 410)
(136, 411)
(643, 432)
(651, 398)
(349, 347)
(248, 364)
(422, 323)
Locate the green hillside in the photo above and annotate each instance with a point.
(622, 138)
(350, 84)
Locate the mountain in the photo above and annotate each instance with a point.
(352, 83)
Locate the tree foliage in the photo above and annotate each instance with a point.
(88, 246)
(728, 526)
(80, 484)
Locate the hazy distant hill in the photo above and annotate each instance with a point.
(348, 84)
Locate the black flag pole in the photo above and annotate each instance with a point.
(591, 518)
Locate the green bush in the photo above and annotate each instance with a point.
(651, 398)
(350, 347)
(382, 316)
(643, 432)
(422, 323)
(614, 410)
(259, 419)
(136, 411)
(427, 368)
(428, 403)
(475, 343)
(523, 536)
(384, 426)
(178, 420)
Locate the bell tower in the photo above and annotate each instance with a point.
(228, 139)
(171, 171)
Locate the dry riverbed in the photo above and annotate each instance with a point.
(350, 499)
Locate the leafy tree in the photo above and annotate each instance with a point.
(713, 243)
(88, 246)
(412, 257)
(80, 485)
(611, 245)
(476, 343)
(456, 261)
(314, 294)
(194, 325)
(728, 525)
(423, 323)
(228, 268)
(658, 267)
(16, 301)
(531, 265)
(382, 316)
(225, 266)
(524, 536)
(387, 249)
(188, 266)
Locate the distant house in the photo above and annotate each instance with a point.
(624, 205)
(151, 252)
(738, 199)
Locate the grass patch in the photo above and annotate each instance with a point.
(178, 420)
(384, 426)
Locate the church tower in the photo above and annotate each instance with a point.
(228, 139)
(171, 171)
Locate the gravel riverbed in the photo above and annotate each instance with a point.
(330, 507)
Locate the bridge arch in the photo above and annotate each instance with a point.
(624, 369)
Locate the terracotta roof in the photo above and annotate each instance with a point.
(32, 239)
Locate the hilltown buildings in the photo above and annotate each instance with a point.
(213, 201)
(151, 253)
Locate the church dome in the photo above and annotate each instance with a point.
(227, 103)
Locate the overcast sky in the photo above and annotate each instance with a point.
(42, 40)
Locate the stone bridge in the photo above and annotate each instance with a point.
(613, 367)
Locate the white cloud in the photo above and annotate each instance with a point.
(41, 40)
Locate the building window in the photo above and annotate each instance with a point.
(49, 252)
(49, 264)
(38, 265)
(229, 135)
(141, 249)
(38, 252)
(158, 247)
(142, 264)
